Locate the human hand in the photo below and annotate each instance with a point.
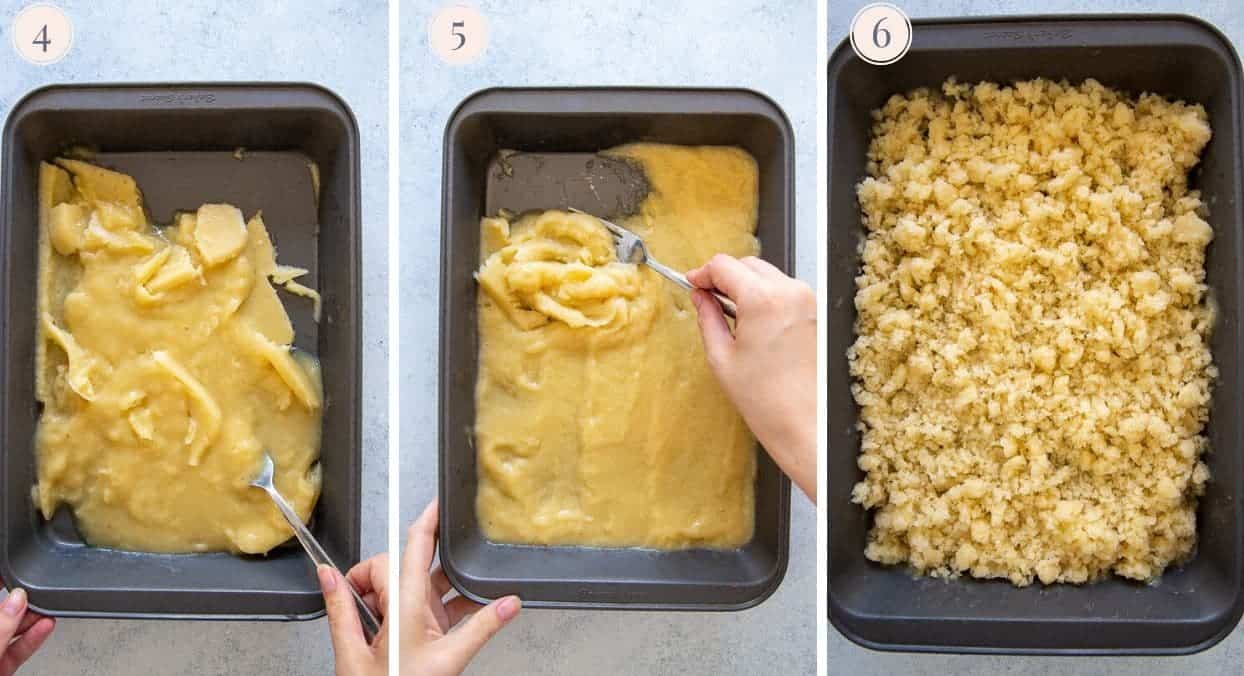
(354, 657)
(22, 631)
(432, 645)
(768, 365)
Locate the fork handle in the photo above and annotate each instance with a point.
(727, 305)
(371, 626)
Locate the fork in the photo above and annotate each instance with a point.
(630, 249)
(371, 626)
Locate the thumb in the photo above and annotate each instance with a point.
(467, 640)
(344, 625)
(718, 341)
(12, 610)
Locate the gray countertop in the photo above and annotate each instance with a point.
(337, 44)
(767, 46)
(845, 657)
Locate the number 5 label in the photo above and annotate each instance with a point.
(458, 35)
(880, 33)
(42, 34)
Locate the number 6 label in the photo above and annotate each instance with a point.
(42, 34)
(458, 35)
(880, 33)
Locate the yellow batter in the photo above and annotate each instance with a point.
(598, 421)
(164, 367)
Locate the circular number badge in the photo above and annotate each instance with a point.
(880, 33)
(42, 34)
(458, 35)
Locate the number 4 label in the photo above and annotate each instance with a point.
(41, 40)
(880, 33)
(458, 35)
(42, 34)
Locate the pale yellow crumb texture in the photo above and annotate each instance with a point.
(1032, 362)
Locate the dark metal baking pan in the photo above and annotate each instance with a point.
(557, 133)
(1192, 606)
(177, 142)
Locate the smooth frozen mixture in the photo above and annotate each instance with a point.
(598, 422)
(164, 367)
(1032, 362)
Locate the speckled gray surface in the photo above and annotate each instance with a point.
(845, 657)
(342, 46)
(767, 46)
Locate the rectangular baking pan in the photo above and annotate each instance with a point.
(177, 141)
(1192, 606)
(557, 132)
